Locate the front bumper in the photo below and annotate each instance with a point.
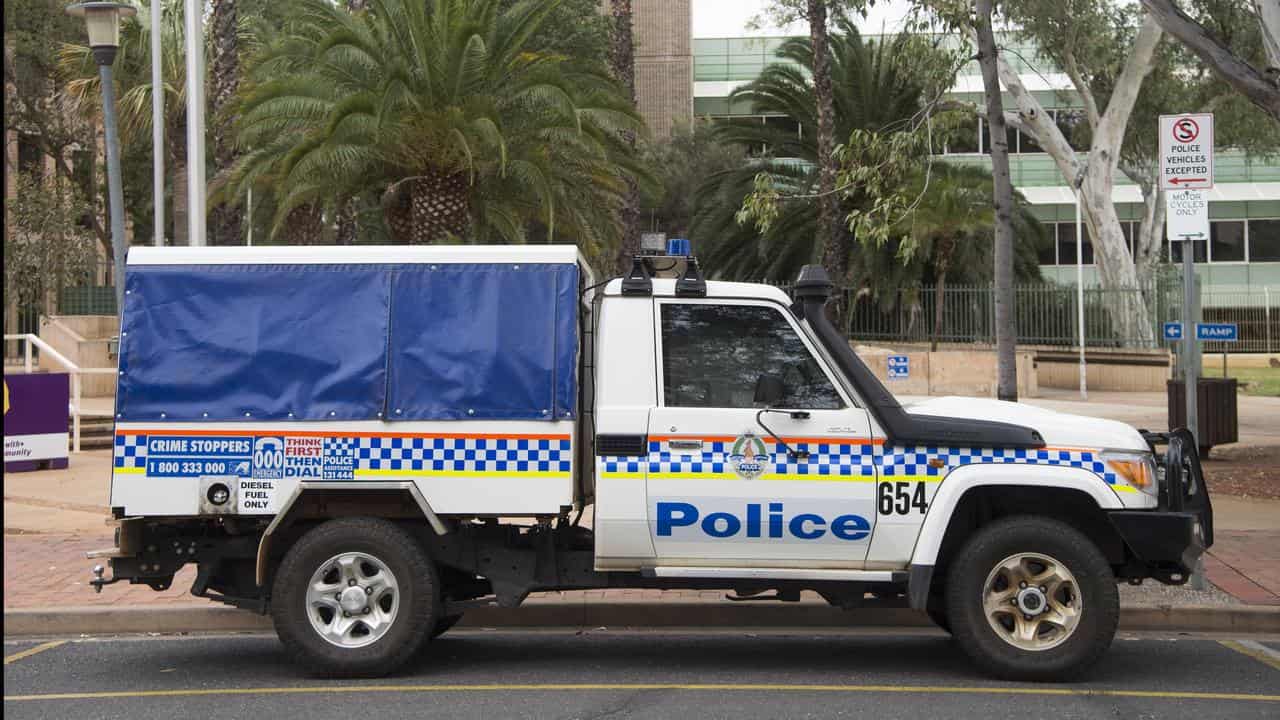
(1165, 543)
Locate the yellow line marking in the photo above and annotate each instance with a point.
(1255, 651)
(33, 651)
(909, 689)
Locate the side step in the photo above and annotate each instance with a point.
(767, 573)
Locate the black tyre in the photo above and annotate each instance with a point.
(939, 618)
(1031, 598)
(444, 624)
(355, 597)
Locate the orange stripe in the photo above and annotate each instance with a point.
(341, 433)
(732, 438)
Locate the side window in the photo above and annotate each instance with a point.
(712, 356)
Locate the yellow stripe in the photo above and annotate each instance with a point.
(33, 651)
(130, 471)
(701, 687)
(1124, 488)
(1255, 653)
(462, 473)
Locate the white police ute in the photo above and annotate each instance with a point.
(363, 442)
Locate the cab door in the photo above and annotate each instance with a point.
(722, 490)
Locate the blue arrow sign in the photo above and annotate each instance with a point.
(1221, 332)
(1173, 331)
(899, 366)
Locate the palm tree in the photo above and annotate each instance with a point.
(450, 111)
(224, 83)
(874, 89)
(953, 225)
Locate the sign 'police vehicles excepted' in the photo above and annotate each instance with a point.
(1186, 151)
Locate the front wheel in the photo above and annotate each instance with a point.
(355, 597)
(1032, 598)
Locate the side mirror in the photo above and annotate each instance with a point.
(769, 390)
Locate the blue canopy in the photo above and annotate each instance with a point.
(349, 342)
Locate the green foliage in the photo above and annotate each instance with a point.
(344, 104)
(46, 244)
(680, 163)
(879, 86)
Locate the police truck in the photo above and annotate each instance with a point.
(365, 442)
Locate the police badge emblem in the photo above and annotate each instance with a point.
(749, 459)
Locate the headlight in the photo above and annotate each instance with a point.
(1135, 468)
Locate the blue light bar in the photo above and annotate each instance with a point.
(679, 247)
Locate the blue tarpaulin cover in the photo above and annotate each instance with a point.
(349, 342)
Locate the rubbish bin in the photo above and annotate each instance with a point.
(1215, 406)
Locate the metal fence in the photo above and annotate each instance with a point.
(1047, 315)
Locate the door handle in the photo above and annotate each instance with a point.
(685, 444)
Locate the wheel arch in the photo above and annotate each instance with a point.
(378, 499)
(975, 495)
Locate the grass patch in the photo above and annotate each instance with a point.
(1254, 380)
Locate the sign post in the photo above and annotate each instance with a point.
(1186, 170)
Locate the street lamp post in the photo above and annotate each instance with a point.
(103, 21)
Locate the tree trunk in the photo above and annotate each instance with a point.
(304, 225)
(946, 246)
(622, 63)
(1006, 330)
(181, 237)
(224, 220)
(1261, 87)
(835, 245)
(348, 229)
(1096, 171)
(939, 298)
(440, 209)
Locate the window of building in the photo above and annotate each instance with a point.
(1175, 251)
(713, 355)
(1264, 240)
(1074, 127)
(1067, 244)
(1227, 241)
(1047, 255)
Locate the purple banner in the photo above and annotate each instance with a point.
(35, 420)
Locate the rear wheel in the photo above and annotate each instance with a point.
(444, 624)
(355, 597)
(1032, 598)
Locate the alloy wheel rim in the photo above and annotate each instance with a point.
(352, 599)
(1032, 601)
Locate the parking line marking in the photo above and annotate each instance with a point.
(1257, 651)
(33, 651)
(194, 692)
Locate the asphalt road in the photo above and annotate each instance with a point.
(639, 674)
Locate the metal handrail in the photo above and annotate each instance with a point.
(46, 350)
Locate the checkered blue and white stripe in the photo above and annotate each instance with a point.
(899, 461)
(130, 451)
(845, 459)
(852, 460)
(463, 454)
